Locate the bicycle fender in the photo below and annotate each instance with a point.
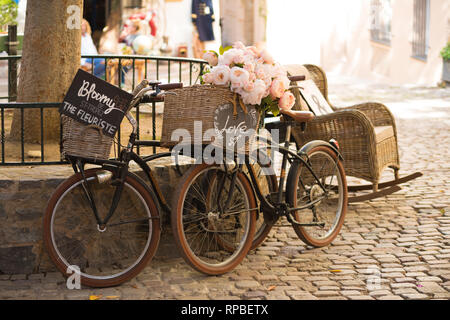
(316, 143)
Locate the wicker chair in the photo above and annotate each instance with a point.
(366, 132)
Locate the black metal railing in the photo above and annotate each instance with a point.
(123, 71)
(17, 145)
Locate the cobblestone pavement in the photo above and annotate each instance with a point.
(397, 247)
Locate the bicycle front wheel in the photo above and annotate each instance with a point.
(104, 255)
(211, 238)
(322, 220)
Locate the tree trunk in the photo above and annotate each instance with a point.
(50, 60)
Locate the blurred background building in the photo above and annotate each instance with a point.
(390, 41)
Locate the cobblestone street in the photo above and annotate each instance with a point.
(395, 247)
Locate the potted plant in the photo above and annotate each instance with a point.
(445, 54)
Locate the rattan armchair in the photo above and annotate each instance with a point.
(366, 132)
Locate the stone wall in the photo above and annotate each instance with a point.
(24, 192)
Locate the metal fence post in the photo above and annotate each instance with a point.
(12, 63)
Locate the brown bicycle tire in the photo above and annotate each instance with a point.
(178, 232)
(291, 193)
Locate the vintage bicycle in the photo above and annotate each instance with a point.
(106, 220)
(211, 200)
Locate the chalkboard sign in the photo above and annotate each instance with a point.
(233, 132)
(92, 101)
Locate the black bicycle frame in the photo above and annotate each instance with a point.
(120, 170)
(264, 202)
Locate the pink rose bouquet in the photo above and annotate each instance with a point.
(251, 73)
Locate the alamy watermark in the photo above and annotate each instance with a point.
(74, 280)
(373, 278)
(234, 143)
(74, 19)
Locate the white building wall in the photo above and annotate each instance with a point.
(335, 35)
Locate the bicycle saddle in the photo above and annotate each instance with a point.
(297, 116)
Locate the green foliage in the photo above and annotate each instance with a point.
(445, 52)
(270, 105)
(8, 12)
(222, 50)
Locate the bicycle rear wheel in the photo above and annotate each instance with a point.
(210, 239)
(105, 256)
(328, 206)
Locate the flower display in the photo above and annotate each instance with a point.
(211, 57)
(251, 73)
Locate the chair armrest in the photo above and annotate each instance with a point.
(349, 123)
(378, 113)
(344, 124)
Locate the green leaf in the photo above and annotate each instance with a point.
(445, 52)
(222, 50)
(274, 109)
(8, 12)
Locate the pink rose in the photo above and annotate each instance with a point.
(264, 71)
(287, 101)
(249, 64)
(208, 78)
(268, 82)
(232, 56)
(249, 86)
(220, 75)
(252, 76)
(239, 45)
(279, 71)
(238, 59)
(260, 72)
(212, 58)
(254, 51)
(286, 81)
(267, 57)
(239, 77)
(256, 95)
(277, 89)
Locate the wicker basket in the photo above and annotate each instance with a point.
(84, 141)
(191, 104)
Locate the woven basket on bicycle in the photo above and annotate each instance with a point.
(193, 104)
(87, 141)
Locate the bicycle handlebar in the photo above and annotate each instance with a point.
(170, 86)
(297, 78)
